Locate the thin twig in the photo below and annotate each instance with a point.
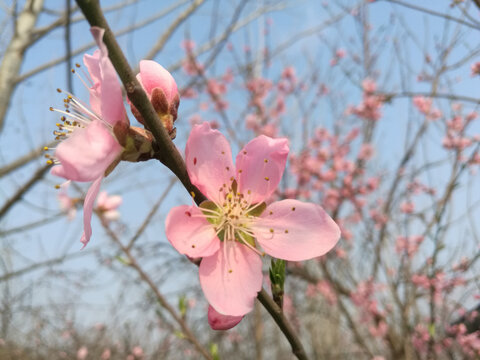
(152, 212)
(282, 322)
(24, 160)
(132, 262)
(20, 192)
(167, 34)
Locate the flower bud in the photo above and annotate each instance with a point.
(162, 91)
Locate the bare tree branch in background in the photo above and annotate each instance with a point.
(13, 56)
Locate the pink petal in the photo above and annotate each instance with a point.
(111, 215)
(231, 278)
(101, 198)
(153, 75)
(189, 232)
(86, 154)
(209, 161)
(106, 88)
(88, 209)
(218, 321)
(110, 202)
(92, 63)
(301, 231)
(260, 165)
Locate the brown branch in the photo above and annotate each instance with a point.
(88, 46)
(159, 296)
(24, 160)
(282, 322)
(434, 13)
(150, 215)
(168, 153)
(20, 192)
(171, 29)
(477, 2)
(13, 56)
(58, 260)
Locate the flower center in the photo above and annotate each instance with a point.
(232, 219)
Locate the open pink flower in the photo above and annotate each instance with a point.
(89, 136)
(228, 230)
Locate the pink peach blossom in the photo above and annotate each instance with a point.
(137, 351)
(90, 145)
(108, 205)
(228, 229)
(407, 207)
(82, 353)
(475, 68)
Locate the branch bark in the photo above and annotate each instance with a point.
(13, 57)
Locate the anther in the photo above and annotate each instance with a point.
(49, 162)
(59, 90)
(266, 160)
(45, 148)
(286, 231)
(267, 178)
(192, 194)
(77, 65)
(293, 208)
(271, 230)
(57, 186)
(50, 108)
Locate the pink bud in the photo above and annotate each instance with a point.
(162, 91)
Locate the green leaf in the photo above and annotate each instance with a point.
(182, 305)
(122, 260)
(179, 334)
(214, 351)
(277, 280)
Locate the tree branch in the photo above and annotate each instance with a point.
(169, 154)
(13, 56)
